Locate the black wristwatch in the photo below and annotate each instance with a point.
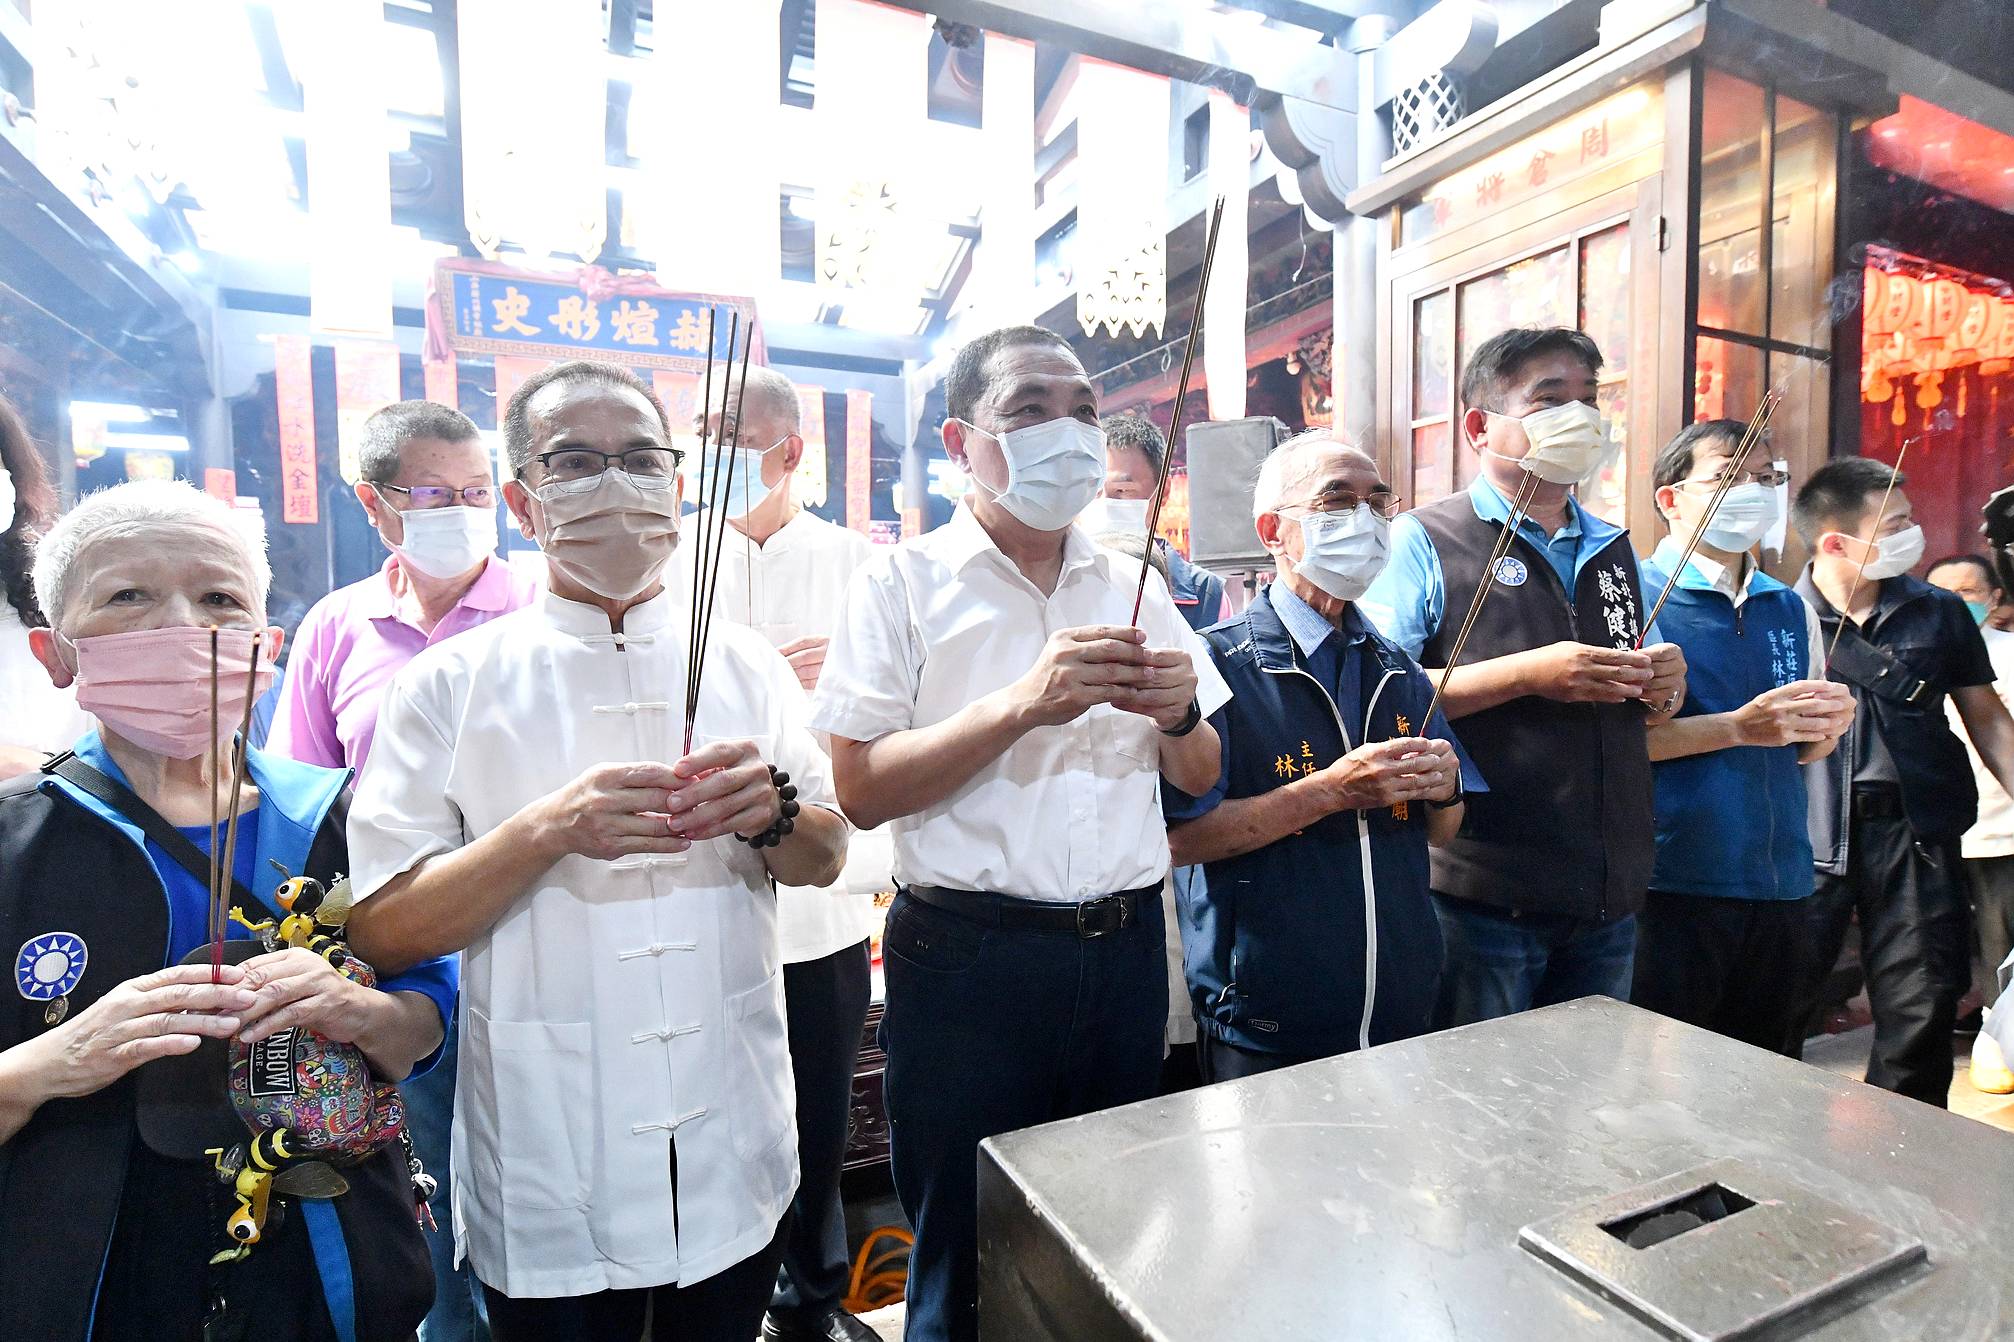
(1189, 720)
(1455, 800)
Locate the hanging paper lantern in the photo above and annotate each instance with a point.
(1942, 301)
(1998, 344)
(1975, 321)
(1890, 300)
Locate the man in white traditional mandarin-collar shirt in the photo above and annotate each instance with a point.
(623, 1122)
(783, 572)
(989, 694)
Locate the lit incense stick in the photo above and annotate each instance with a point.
(1181, 395)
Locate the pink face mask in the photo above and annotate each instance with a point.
(152, 686)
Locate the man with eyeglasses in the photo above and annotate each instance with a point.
(1316, 934)
(429, 491)
(1732, 880)
(624, 1122)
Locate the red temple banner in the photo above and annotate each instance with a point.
(367, 380)
(510, 374)
(859, 459)
(443, 381)
(294, 388)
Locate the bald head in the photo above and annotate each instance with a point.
(1307, 466)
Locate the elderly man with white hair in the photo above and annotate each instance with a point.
(104, 891)
(783, 573)
(1316, 934)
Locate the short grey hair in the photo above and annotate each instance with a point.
(139, 506)
(518, 431)
(1273, 470)
(1133, 545)
(771, 395)
(387, 432)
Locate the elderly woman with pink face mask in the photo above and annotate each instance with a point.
(103, 895)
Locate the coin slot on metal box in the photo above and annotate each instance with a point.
(1669, 1220)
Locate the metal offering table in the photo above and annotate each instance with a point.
(1588, 1170)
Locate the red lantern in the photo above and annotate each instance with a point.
(1997, 346)
(1975, 319)
(1943, 300)
(1901, 297)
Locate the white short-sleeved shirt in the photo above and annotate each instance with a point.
(1721, 576)
(616, 1003)
(793, 586)
(1067, 813)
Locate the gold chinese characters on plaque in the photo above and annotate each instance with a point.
(1586, 142)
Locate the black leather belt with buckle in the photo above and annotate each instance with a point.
(1097, 917)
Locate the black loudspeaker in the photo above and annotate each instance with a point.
(1224, 458)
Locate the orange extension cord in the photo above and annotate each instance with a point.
(879, 1279)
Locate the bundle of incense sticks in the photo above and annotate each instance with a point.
(1758, 424)
(1527, 490)
(223, 865)
(726, 439)
(1181, 395)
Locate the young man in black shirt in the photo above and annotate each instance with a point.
(1887, 808)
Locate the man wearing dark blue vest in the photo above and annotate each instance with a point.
(1537, 895)
(1732, 881)
(1316, 934)
(1888, 808)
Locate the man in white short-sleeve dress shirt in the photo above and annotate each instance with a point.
(989, 696)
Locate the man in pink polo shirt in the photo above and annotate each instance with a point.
(428, 489)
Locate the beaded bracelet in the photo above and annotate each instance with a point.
(786, 793)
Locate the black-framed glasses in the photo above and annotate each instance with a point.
(581, 463)
(1382, 502)
(440, 496)
(1769, 479)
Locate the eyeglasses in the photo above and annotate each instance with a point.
(580, 463)
(1771, 479)
(440, 496)
(1382, 502)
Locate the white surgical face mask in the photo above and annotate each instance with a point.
(743, 487)
(447, 542)
(1343, 553)
(1053, 470)
(6, 499)
(1569, 443)
(1744, 516)
(1105, 516)
(1895, 555)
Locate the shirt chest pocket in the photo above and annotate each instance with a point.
(1129, 741)
(510, 1073)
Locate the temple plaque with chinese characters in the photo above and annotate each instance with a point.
(487, 309)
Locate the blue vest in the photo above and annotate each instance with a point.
(1284, 952)
(1731, 823)
(1198, 593)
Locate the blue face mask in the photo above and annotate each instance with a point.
(1980, 610)
(743, 487)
